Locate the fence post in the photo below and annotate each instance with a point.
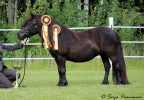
(111, 24)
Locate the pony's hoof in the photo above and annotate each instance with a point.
(105, 83)
(119, 84)
(62, 84)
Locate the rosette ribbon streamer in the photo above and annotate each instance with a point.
(56, 30)
(46, 20)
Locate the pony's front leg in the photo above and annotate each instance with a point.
(62, 71)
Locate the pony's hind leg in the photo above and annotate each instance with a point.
(107, 68)
(116, 70)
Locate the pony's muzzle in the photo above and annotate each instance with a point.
(21, 36)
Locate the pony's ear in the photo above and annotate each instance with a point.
(32, 15)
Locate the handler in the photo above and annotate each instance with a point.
(8, 76)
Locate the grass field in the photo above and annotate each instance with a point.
(84, 84)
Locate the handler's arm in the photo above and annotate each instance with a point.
(15, 46)
(12, 47)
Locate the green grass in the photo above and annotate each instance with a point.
(83, 85)
(84, 82)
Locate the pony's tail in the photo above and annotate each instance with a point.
(121, 62)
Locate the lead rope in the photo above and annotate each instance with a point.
(24, 64)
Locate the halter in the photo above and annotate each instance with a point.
(31, 24)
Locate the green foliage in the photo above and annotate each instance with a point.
(3, 22)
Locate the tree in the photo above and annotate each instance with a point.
(12, 11)
(86, 8)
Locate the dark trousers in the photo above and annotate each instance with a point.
(7, 77)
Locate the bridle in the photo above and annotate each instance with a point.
(31, 24)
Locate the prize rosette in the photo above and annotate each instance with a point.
(46, 20)
(56, 30)
(56, 27)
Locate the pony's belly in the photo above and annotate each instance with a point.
(83, 52)
(82, 57)
(80, 60)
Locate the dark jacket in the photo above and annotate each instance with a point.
(9, 48)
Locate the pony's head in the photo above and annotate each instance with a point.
(29, 27)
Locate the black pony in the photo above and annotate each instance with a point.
(81, 47)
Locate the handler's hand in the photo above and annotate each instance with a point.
(25, 41)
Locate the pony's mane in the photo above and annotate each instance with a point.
(26, 21)
(76, 35)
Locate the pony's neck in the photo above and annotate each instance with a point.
(39, 26)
